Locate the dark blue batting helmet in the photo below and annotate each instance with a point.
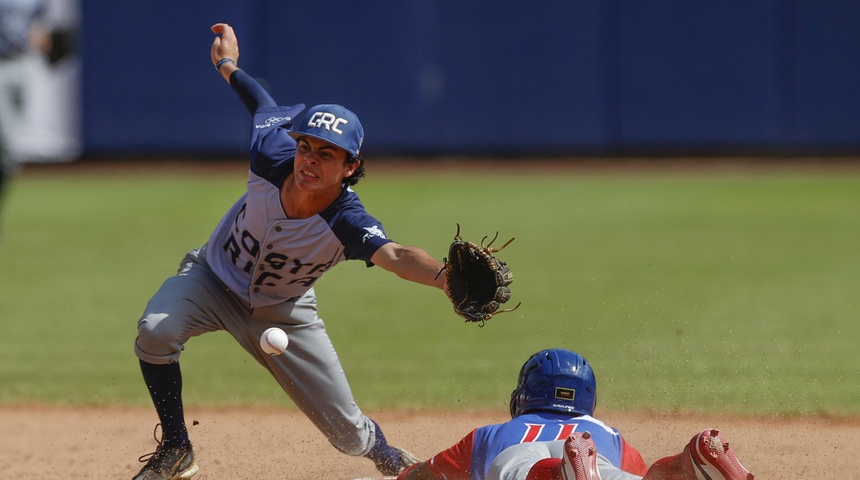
(555, 380)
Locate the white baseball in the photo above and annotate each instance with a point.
(274, 341)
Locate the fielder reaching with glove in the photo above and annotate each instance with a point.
(298, 218)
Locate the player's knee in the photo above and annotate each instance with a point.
(157, 336)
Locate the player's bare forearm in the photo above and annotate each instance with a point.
(410, 263)
(225, 46)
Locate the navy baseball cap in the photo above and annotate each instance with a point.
(334, 124)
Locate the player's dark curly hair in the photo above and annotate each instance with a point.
(358, 173)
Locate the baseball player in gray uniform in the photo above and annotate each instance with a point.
(21, 31)
(298, 219)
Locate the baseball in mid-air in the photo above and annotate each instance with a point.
(274, 341)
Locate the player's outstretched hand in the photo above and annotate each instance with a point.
(225, 45)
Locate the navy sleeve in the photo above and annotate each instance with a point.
(252, 94)
(360, 233)
(272, 148)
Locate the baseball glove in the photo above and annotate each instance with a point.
(477, 280)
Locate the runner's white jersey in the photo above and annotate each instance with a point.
(265, 257)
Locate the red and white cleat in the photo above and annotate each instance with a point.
(714, 460)
(580, 458)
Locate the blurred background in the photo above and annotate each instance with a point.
(427, 77)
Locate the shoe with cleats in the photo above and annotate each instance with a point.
(405, 460)
(580, 458)
(168, 463)
(714, 460)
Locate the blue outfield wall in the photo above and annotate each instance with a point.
(445, 76)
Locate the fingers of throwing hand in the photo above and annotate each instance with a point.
(221, 27)
(225, 43)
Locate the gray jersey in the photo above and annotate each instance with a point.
(267, 258)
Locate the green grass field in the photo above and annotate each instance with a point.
(712, 292)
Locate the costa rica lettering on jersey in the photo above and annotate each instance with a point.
(267, 258)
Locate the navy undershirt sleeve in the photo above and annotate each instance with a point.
(252, 94)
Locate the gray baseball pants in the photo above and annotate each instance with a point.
(195, 301)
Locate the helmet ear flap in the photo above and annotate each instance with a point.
(519, 395)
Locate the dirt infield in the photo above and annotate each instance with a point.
(57, 443)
